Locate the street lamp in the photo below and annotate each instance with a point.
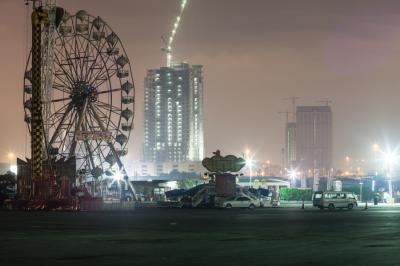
(293, 174)
(249, 163)
(13, 167)
(11, 157)
(347, 159)
(391, 158)
(375, 149)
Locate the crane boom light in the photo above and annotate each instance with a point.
(170, 40)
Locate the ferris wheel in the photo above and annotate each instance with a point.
(88, 112)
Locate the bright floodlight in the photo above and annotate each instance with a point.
(390, 158)
(293, 174)
(249, 162)
(118, 176)
(13, 169)
(375, 147)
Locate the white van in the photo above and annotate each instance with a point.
(334, 199)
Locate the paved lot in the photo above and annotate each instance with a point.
(282, 236)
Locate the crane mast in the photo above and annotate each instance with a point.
(293, 100)
(169, 39)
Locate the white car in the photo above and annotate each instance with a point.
(241, 201)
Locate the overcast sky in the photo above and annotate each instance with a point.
(255, 53)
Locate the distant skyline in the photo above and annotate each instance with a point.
(254, 53)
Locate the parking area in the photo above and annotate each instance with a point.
(273, 236)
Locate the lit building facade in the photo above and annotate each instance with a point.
(290, 144)
(314, 140)
(173, 114)
(159, 169)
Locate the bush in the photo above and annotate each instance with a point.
(295, 194)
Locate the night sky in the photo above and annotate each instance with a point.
(255, 53)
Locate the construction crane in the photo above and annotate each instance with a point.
(293, 99)
(287, 113)
(168, 40)
(326, 101)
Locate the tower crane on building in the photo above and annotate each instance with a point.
(326, 101)
(287, 113)
(168, 40)
(293, 100)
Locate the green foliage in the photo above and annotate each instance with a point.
(295, 194)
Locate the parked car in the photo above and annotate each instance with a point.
(240, 201)
(334, 199)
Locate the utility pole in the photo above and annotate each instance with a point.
(293, 100)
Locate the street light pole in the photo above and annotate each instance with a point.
(250, 177)
(11, 157)
(375, 148)
(249, 162)
(361, 183)
(347, 158)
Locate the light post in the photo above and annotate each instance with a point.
(361, 183)
(249, 163)
(293, 174)
(12, 167)
(375, 149)
(347, 159)
(391, 159)
(11, 157)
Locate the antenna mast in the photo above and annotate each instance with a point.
(169, 39)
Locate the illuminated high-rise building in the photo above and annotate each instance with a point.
(290, 144)
(314, 140)
(173, 114)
